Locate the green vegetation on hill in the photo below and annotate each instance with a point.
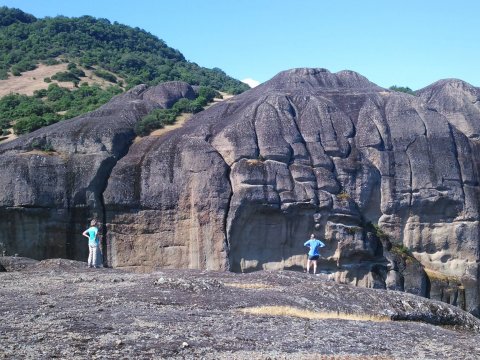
(45, 107)
(159, 118)
(131, 53)
(110, 50)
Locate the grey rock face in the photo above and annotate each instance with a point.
(243, 184)
(50, 196)
(307, 152)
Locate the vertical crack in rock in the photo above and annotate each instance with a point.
(455, 154)
(98, 185)
(295, 124)
(254, 123)
(228, 206)
(425, 129)
(226, 214)
(410, 170)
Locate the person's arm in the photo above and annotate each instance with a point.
(307, 243)
(86, 234)
(321, 243)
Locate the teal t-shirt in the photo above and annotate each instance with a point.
(92, 236)
(314, 245)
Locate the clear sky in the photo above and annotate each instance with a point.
(392, 42)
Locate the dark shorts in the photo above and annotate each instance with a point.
(314, 257)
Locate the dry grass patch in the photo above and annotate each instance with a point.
(9, 137)
(312, 315)
(32, 80)
(249, 286)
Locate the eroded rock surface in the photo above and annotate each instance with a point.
(58, 308)
(244, 184)
(53, 179)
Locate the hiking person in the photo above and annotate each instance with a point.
(313, 253)
(93, 243)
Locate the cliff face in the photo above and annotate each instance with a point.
(247, 181)
(243, 184)
(53, 179)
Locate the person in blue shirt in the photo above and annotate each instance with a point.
(92, 234)
(313, 253)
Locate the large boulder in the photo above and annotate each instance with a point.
(54, 178)
(245, 182)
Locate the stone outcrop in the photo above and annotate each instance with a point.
(49, 195)
(243, 184)
(308, 151)
(53, 308)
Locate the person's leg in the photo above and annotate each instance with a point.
(94, 250)
(308, 265)
(90, 256)
(315, 266)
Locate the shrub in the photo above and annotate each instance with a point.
(28, 124)
(208, 93)
(201, 101)
(404, 89)
(351, 230)
(50, 62)
(188, 106)
(65, 76)
(401, 249)
(45, 104)
(157, 119)
(47, 80)
(77, 72)
(3, 74)
(23, 66)
(40, 93)
(42, 145)
(105, 75)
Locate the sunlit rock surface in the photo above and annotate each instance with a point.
(379, 175)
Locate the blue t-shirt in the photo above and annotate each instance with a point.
(92, 236)
(314, 245)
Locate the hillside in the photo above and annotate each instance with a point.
(74, 52)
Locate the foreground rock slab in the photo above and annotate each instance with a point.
(59, 308)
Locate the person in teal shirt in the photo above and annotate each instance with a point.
(313, 253)
(92, 234)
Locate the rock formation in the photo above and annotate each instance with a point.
(49, 195)
(57, 308)
(380, 175)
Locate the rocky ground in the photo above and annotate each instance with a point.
(61, 309)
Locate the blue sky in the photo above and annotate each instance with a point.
(408, 43)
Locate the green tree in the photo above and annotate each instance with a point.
(404, 89)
